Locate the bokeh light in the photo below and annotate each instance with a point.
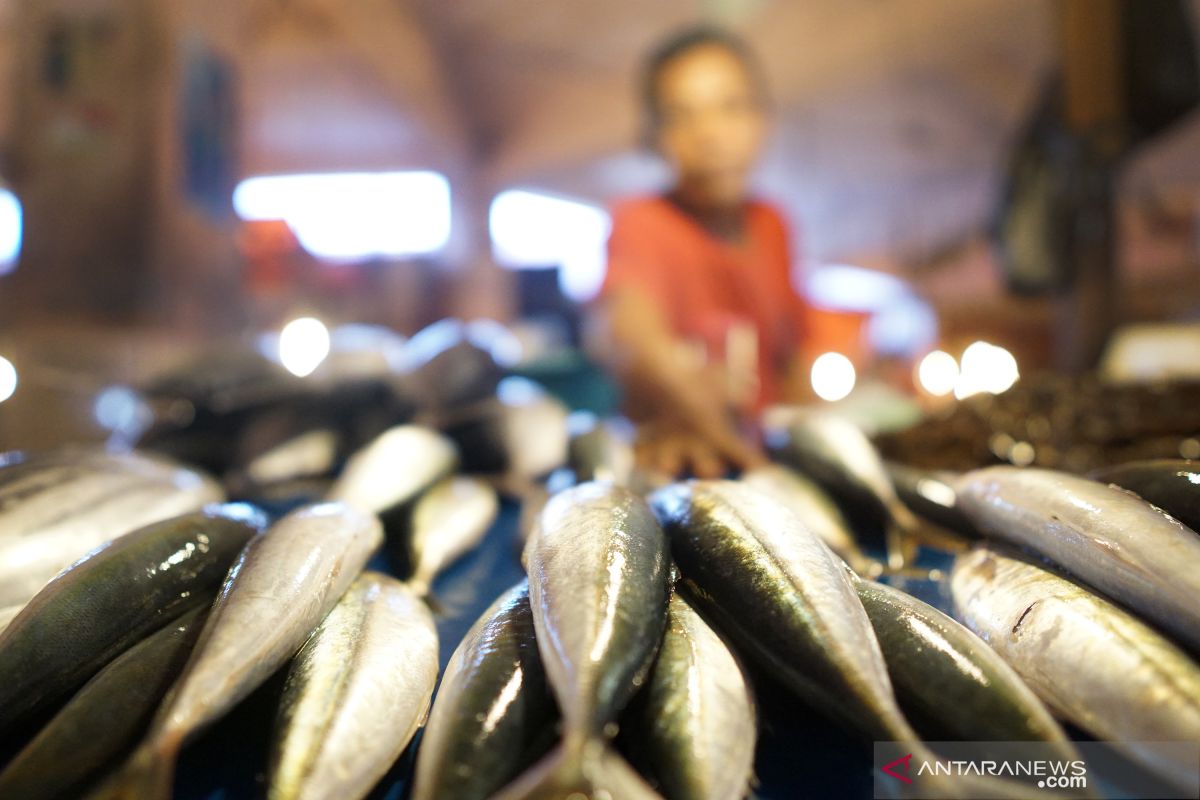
(985, 368)
(833, 376)
(937, 373)
(8, 379)
(303, 345)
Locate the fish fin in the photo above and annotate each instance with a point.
(148, 775)
(590, 770)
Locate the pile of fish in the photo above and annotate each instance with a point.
(139, 606)
(174, 606)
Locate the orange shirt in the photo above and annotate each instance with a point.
(705, 285)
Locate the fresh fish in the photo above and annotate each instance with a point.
(599, 587)
(1106, 536)
(393, 469)
(1171, 484)
(931, 495)
(815, 508)
(312, 453)
(112, 599)
(105, 719)
(451, 363)
(784, 599)
(56, 508)
(1093, 663)
(494, 714)
(836, 453)
(448, 521)
(695, 725)
(597, 451)
(950, 683)
(521, 433)
(280, 588)
(782, 596)
(355, 694)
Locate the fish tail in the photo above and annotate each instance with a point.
(436, 606)
(900, 544)
(148, 775)
(577, 766)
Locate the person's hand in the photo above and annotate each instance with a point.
(677, 451)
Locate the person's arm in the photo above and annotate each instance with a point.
(682, 415)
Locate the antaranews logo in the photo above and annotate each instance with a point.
(1002, 769)
(899, 768)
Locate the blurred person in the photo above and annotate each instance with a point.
(697, 317)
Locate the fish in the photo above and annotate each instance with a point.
(931, 495)
(520, 434)
(452, 364)
(785, 601)
(950, 683)
(355, 694)
(448, 521)
(110, 600)
(394, 469)
(105, 719)
(1093, 663)
(818, 511)
(310, 454)
(597, 450)
(57, 507)
(280, 588)
(1107, 537)
(1171, 484)
(836, 454)
(695, 724)
(599, 587)
(494, 714)
(783, 598)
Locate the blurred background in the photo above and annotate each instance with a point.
(981, 190)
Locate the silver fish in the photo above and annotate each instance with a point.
(310, 453)
(56, 508)
(696, 725)
(597, 450)
(1108, 537)
(783, 597)
(815, 508)
(280, 588)
(599, 587)
(520, 434)
(355, 694)
(837, 454)
(949, 681)
(494, 713)
(448, 521)
(394, 468)
(1093, 663)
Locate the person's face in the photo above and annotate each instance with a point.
(711, 124)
